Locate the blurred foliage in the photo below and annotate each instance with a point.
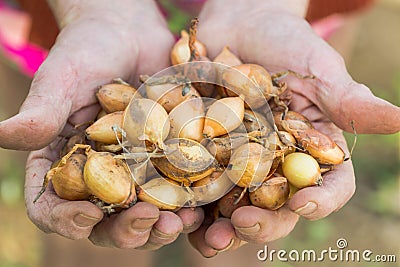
(177, 19)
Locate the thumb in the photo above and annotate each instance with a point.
(343, 100)
(43, 114)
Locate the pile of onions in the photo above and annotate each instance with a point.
(215, 133)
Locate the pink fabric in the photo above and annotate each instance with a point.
(26, 56)
(327, 26)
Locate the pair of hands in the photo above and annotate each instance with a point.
(100, 40)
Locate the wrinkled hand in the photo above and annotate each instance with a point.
(99, 40)
(271, 36)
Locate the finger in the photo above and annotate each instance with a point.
(333, 91)
(65, 83)
(343, 100)
(319, 201)
(197, 240)
(165, 231)
(191, 218)
(337, 187)
(128, 229)
(257, 225)
(221, 236)
(71, 219)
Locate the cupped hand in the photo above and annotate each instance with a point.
(269, 34)
(99, 41)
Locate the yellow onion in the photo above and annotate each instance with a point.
(321, 147)
(115, 96)
(180, 52)
(145, 119)
(102, 129)
(250, 80)
(164, 194)
(186, 161)
(272, 194)
(226, 57)
(109, 179)
(67, 179)
(233, 200)
(211, 187)
(187, 120)
(223, 116)
(301, 170)
(170, 95)
(249, 165)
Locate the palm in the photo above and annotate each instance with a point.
(82, 59)
(289, 43)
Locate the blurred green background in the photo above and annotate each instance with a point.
(371, 219)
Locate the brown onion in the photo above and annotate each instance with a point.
(102, 130)
(223, 116)
(145, 119)
(250, 80)
(272, 194)
(249, 165)
(321, 147)
(67, 179)
(115, 96)
(187, 120)
(232, 201)
(109, 179)
(180, 52)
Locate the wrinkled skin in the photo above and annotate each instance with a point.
(278, 40)
(92, 48)
(95, 47)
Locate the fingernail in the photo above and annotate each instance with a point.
(159, 234)
(143, 223)
(227, 247)
(308, 208)
(249, 230)
(210, 256)
(84, 220)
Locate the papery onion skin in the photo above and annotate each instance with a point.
(102, 130)
(115, 96)
(68, 181)
(321, 147)
(223, 116)
(145, 119)
(164, 194)
(109, 179)
(250, 80)
(187, 120)
(272, 194)
(180, 52)
(249, 165)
